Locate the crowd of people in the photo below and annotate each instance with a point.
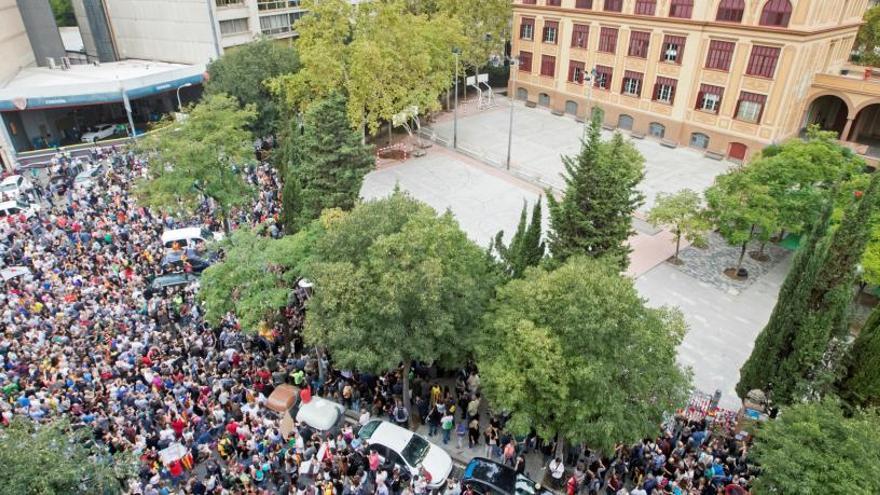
(87, 337)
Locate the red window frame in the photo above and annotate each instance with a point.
(554, 3)
(545, 30)
(720, 55)
(667, 81)
(608, 72)
(548, 65)
(763, 60)
(709, 89)
(525, 61)
(776, 13)
(572, 65)
(676, 40)
(580, 36)
(608, 40)
(613, 6)
(632, 75)
(529, 2)
(527, 21)
(731, 11)
(639, 42)
(681, 9)
(745, 96)
(646, 7)
(583, 4)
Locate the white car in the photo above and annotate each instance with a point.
(14, 186)
(100, 131)
(401, 447)
(189, 237)
(87, 177)
(18, 206)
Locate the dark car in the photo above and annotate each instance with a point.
(173, 280)
(489, 477)
(177, 261)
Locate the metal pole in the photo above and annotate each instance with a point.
(179, 104)
(127, 104)
(512, 98)
(455, 113)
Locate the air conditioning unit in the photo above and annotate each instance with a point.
(51, 63)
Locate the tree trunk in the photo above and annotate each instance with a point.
(389, 133)
(405, 379)
(321, 371)
(742, 253)
(560, 446)
(677, 243)
(761, 249)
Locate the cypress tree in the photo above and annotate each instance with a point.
(860, 385)
(595, 215)
(526, 247)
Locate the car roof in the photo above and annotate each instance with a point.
(9, 204)
(174, 279)
(184, 233)
(319, 413)
(14, 271)
(391, 436)
(12, 179)
(491, 472)
(172, 256)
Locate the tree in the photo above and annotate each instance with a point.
(860, 385)
(871, 257)
(55, 458)
(682, 213)
(814, 448)
(200, 158)
(575, 353)
(594, 217)
(63, 12)
(526, 247)
(395, 283)
(868, 38)
(328, 166)
(241, 73)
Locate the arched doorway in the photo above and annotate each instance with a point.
(737, 151)
(829, 112)
(571, 107)
(544, 99)
(699, 140)
(625, 122)
(657, 130)
(522, 94)
(866, 129)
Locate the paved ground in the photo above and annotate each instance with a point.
(486, 199)
(540, 138)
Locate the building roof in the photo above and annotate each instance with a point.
(41, 87)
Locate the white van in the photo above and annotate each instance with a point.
(320, 414)
(14, 186)
(18, 206)
(189, 237)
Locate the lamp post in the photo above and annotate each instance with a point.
(179, 104)
(457, 53)
(514, 62)
(588, 116)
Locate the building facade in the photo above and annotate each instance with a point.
(726, 76)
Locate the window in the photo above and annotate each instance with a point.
(709, 98)
(548, 65)
(551, 29)
(632, 83)
(276, 4)
(763, 61)
(583, 4)
(234, 26)
(554, 3)
(544, 99)
(681, 9)
(720, 55)
(527, 29)
(673, 49)
(730, 11)
(603, 77)
(576, 72)
(580, 35)
(228, 3)
(638, 44)
(613, 5)
(664, 90)
(608, 40)
(776, 13)
(525, 61)
(646, 7)
(529, 2)
(699, 140)
(750, 107)
(279, 23)
(657, 130)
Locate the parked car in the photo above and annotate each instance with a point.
(87, 177)
(488, 477)
(411, 452)
(12, 272)
(172, 280)
(18, 206)
(176, 261)
(59, 184)
(100, 131)
(189, 237)
(14, 186)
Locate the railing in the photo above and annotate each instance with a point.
(277, 4)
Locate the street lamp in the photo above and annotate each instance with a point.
(514, 62)
(180, 105)
(457, 53)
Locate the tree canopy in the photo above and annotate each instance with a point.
(868, 38)
(201, 157)
(526, 248)
(394, 283)
(814, 448)
(682, 213)
(63, 12)
(575, 352)
(55, 458)
(594, 217)
(860, 384)
(241, 73)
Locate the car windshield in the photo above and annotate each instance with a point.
(525, 486)
(415, 451)
(21, 204)
(367, 430)
(9, 187)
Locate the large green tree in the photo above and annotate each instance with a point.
(575, 352)
(814, 448)
(327, 165)
(683, 214)
(55, 458)
(200, 158)
(395, 283)
(868, 38)
(594, 217)
(860, 384)
(241, 73)
(526, 248)
(63, 12)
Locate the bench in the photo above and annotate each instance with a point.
(714, 155)
(669, 143)
(557, 113)
(637, 135)
(531, 104)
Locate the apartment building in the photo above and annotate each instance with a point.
(725, 76)
(240, 21)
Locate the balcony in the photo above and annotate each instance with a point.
(264, 5)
